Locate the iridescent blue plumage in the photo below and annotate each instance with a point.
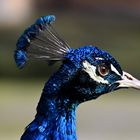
(85, 74)
(61, 95)
(21, 58)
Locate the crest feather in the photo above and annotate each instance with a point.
(40, 41)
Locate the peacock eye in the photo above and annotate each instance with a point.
(103, 70)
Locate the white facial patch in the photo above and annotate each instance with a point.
(91, 70)
(115, 70)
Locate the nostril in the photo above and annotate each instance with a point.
(128, 77)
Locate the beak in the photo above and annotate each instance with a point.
(128, 81)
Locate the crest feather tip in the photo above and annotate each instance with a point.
(20, 58)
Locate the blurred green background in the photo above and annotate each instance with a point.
(111, 25)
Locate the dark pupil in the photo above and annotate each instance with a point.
(103, 70)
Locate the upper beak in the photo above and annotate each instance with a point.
(128, 81)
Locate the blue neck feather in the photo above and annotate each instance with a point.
(55, 118)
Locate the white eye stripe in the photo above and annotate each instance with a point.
(115, 70)
(91, 70)
(99, 58)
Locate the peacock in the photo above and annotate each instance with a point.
(85, 74)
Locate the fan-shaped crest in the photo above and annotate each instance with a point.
(40, 41)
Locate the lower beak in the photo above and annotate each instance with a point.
(128, 81)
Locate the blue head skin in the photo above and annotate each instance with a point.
(85, 74)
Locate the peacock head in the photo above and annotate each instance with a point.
(97, 73)
(92, 71)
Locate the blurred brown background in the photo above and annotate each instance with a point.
(111, 25)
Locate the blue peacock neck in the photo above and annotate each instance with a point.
(57, 112)
(55, 118)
